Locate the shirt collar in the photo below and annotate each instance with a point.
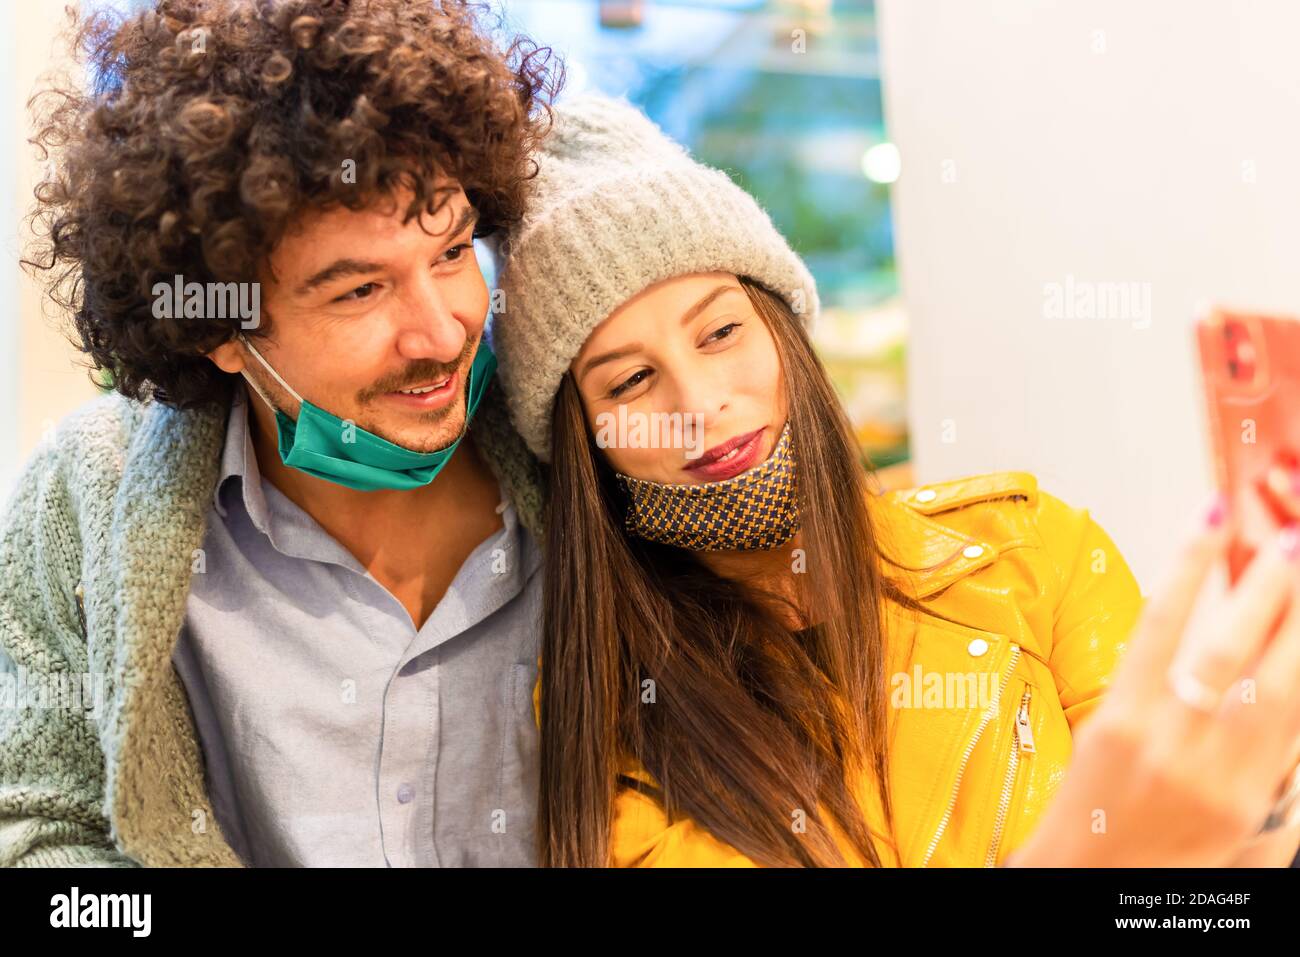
(239, 461)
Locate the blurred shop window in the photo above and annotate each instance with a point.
(784, 95)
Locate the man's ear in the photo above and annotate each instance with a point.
(228, 357)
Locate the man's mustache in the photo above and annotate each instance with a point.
(421, 372)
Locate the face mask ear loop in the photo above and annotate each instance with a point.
(266, 365)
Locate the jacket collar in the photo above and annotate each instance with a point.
(932, 555)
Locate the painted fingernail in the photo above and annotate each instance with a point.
(1288, 540)
(1217, 511)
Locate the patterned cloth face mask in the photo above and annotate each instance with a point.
(757, 509)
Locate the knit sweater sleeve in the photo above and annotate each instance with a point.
(51, 764)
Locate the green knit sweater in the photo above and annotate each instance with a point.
(96, 550)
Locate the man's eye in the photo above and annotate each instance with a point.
(718, 333)
(634, 379)
(361, 292)
(458, 250)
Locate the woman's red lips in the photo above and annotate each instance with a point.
(719, 462)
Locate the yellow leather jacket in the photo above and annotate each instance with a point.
(983, 711)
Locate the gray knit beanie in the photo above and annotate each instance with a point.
(617, 206)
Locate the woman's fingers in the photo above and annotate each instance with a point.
(1283, 486)
(1186, 775)
(1240, 628)
(1267, 722)
(1275, 706)
(1164, 617)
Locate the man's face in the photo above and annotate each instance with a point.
(363, 309)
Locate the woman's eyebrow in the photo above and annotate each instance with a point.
(706, 300)
(612, 355)
(634, 347)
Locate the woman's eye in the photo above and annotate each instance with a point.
(361, 292)
(719, 332)
(634, 379)
(457, 250)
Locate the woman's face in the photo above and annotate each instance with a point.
(696, 372)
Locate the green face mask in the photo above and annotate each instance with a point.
(329, 448)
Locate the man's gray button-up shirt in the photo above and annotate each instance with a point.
(336, 733)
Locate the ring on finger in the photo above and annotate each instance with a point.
(1193, 692)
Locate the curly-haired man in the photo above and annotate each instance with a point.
(296, 585)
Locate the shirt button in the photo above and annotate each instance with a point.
(973, 551)
(405, 793)
(926, 495)
(977, 647)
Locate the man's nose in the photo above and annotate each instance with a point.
(427, 325)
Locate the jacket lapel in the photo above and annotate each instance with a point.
(154, 784)
(931, 554)
(930, 745)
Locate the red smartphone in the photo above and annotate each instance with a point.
(1250, 369)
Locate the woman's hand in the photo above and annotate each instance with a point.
(1182, 761)
(1276, 848)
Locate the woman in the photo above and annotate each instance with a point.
(749, 657)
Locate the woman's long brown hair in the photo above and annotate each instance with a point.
(649, 654)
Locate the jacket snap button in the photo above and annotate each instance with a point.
(973, 551)
(977, 647)
(926, 495)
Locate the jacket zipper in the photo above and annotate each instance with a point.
(1024, 741)
(965, 758)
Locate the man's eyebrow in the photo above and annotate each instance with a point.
(337, 270)
(634, 347)
(354, 267)
(467, 215)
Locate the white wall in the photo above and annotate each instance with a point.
(9, 313)
(1154, 142)
(42, 377)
